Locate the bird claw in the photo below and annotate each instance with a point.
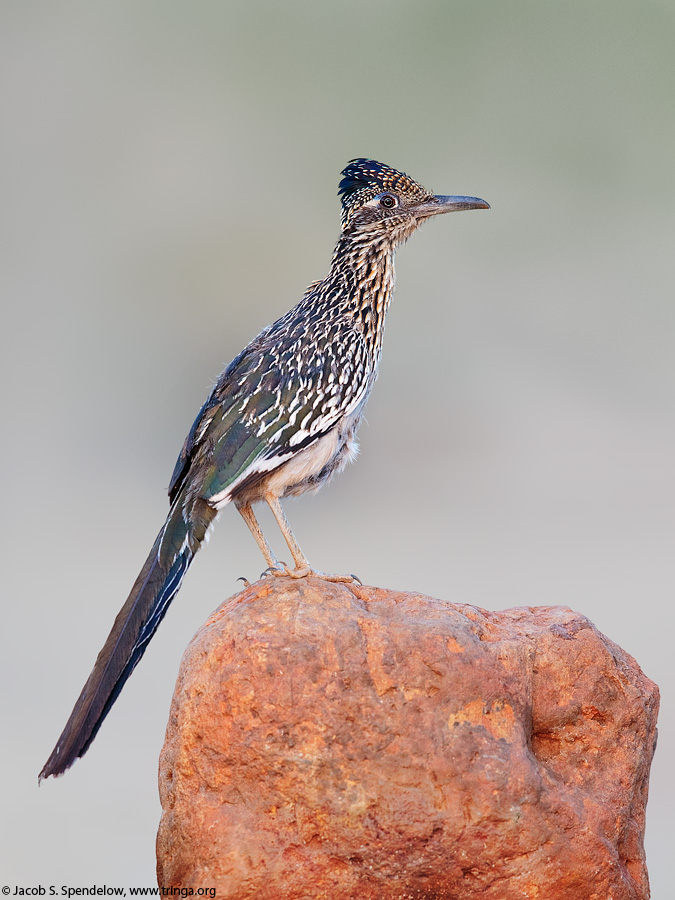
(277, 571)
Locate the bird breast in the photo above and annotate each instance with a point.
(313, 466)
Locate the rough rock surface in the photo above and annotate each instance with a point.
(333, 741)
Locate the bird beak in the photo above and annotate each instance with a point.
(441, 204)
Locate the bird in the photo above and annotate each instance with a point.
(280, 421)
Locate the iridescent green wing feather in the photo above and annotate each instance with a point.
(275, 399)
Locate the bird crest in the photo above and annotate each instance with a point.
(364, 179)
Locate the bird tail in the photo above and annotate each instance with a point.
(154, 589)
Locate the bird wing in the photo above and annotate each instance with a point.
(182, 466)
(286, 390)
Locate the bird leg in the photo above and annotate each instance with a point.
(247, 514)
(299, 557)
(302, 566)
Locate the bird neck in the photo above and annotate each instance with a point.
(362, 269)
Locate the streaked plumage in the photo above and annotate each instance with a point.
(280, 421)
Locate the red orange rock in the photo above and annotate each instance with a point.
(333, 741)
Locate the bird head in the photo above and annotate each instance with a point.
(379, 200)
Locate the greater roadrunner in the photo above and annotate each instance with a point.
(281, 421)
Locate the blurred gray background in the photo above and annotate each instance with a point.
(169, 178)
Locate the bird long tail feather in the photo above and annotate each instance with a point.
(154, 589)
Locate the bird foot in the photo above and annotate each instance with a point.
(305, 571)
(339, 579)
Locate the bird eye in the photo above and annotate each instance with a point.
(388, 201)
